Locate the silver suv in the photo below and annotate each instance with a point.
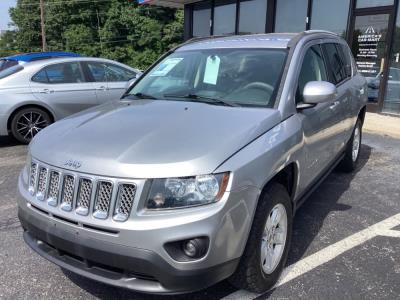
(195, 174)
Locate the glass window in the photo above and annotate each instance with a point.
(322, 12)
(312, 69)
(253, 16)
(60, 73)
(291, 15)
(391, 103)
(372, 3)
(102, 72)
(224, 17)
(201, 19)
(10, 71)
(4, 64)
(248, 77)
(346, 59)
(335, 63)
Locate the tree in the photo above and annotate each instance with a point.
(115, 29)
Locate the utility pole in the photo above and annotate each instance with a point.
(42, 25)
(98, 30)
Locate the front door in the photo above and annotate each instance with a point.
(370, 46)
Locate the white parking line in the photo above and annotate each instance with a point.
(321, 257)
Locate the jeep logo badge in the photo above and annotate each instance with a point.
(73, 164)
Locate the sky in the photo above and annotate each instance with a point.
(4, 16)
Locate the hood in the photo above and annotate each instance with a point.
(151, 138)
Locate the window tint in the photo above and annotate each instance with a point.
(201, 19)
(335, 63)
(346, 58)
(224, 17)
(291, 15)
(253, 14)
(5, 64)
(322, 12)
(103, 72)
(312, 69)
(10, 71)
(60, 73)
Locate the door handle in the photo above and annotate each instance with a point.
(46, 91)
(334, 104)
(102, 88)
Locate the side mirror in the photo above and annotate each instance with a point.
(319, 92)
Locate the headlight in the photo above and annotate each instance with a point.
(186, 191)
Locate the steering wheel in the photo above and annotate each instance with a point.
(259, 86)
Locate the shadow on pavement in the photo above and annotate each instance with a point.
(6, 141)
(307, 224)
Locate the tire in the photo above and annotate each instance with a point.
(251, 274)
(352, 155)
(27, 122)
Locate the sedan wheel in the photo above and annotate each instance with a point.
(29, 122)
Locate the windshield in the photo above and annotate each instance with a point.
(247, 77)
(11, 70)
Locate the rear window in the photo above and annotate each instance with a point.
(335, 62)
(5, 64)
(10, 71)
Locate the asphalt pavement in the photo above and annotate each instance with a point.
(346, 242)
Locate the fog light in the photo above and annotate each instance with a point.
(195, 248)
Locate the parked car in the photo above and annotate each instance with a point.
(196, 174)
(10, 61)
(36, 94)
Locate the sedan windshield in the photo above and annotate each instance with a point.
(246, 77)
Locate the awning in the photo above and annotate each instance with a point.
(168, 3)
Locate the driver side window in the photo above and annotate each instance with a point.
(312, 69)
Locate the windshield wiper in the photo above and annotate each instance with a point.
(199, 98)
(142, 96)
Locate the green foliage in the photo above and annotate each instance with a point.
(115, 29)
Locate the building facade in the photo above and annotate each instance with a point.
(371, 27)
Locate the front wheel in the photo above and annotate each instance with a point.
(27, 122)
(268, 243)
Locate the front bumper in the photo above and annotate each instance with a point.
(3, 124)
(132, 254)
(132, 268)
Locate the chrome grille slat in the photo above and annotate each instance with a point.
(41, 185)
(67, 196)
(103, 199)
(84, 196)
(32, 178)
(125, 198)
(54, 188)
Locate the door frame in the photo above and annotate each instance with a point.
(391, 11)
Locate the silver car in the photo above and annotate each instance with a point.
(196, 174)
(38, 93)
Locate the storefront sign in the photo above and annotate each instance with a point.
(367, 55)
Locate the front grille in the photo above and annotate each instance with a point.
(82, 193)
(126, 194)
(67, 193)
(103, 199)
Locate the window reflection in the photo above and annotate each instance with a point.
(224, 17)
(322, 12)
(291, 15)
(252, 16)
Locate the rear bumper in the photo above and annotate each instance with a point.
(127, 267)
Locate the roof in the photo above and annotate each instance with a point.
(263, 40)
(267, 40)
(27, 57)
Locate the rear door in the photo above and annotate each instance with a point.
(64, 88)
(110, 80)
(340, 75)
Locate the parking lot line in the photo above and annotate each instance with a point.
(325, 255)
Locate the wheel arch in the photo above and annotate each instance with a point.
(362, 113)
(19, 108)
